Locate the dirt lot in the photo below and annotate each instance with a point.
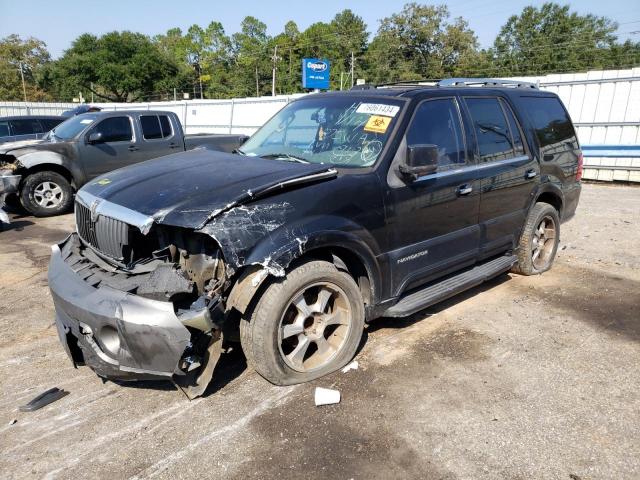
(524, 377)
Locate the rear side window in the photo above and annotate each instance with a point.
(49, 123)
(155, 126)
(4, 129)
(25, 127)
(550, 121)
(491, 129)
(437, 122)
(150, 127)
(165, 125)
(115, 129)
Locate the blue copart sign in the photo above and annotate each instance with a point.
(315, 73)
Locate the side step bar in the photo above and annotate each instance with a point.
(418, 300)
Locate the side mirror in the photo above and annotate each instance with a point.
(95, 137)
(421, 160)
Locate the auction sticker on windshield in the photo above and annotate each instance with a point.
(379, 109)
(377, 124)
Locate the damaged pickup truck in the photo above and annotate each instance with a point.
(342, 208)
(83, 147)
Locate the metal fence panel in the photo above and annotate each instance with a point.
(604, 106)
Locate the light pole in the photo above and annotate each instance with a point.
(24, 88)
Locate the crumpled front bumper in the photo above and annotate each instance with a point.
(121, 336)
(8, 184)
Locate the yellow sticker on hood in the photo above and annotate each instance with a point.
(377, 124)
(104, 181)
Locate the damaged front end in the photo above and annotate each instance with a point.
(134, 308)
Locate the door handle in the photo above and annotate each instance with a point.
(530, 174)
(173, 145)
(465, 189)
(133, 148)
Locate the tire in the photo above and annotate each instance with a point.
(45, 194)
(534, 258)
(275, 331)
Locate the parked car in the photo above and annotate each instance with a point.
(83, 108)
(91, 144)
(343, 207)
(15, 129)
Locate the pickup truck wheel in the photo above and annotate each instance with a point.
(305, 325)
(539, 240)
(45, 194)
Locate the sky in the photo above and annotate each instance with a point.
(59, 23)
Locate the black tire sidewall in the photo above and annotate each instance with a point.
(540, 211)
(268, 311)
(32, 181)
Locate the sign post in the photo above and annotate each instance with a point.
(315, 73)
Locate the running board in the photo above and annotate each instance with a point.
(418, 300)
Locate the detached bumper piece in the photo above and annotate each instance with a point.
(126, 337)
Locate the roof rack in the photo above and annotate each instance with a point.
(450, 82)
(485, 82)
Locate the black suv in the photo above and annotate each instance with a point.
(15, 129)
(342, 208)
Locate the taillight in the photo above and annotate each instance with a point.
(580, 167)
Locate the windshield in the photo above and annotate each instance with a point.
(343, 131)
(72, 127)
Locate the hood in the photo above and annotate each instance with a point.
(187, 189)
(9, 146)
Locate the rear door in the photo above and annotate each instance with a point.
(117, 149)
(158, 137)
(433, 221)
(509, 172)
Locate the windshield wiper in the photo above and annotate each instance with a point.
(286, 156)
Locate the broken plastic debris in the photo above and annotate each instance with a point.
(43, 399)
(352, 366)
(326, 396)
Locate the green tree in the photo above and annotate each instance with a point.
(551, 38)
(119, 67)
(252, 59)
(419, 42)
(28, 58)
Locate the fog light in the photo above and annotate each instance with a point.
(110, 339)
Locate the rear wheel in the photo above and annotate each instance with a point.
(304, 326)
(539, 240)
(45, 194)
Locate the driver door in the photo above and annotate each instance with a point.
(433, 220)
(116, 149)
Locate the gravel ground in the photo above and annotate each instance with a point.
(523, 377)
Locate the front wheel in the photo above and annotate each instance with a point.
(305, 325)
(45, 194)
(539, 240)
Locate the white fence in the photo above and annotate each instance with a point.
(604, 106)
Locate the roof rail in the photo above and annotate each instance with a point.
(485, 82)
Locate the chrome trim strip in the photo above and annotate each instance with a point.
(100, 206)
(483, 166)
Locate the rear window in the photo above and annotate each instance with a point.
(25, 127)
(150, 127)
(49, 123)
(550, 121)
(4, 129)
(166, 125)
(491, 128)
(155, 126)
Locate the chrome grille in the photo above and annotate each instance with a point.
(107, 235)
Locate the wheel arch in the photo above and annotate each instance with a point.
(53, 162)
(352, 257)
(551, 194)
